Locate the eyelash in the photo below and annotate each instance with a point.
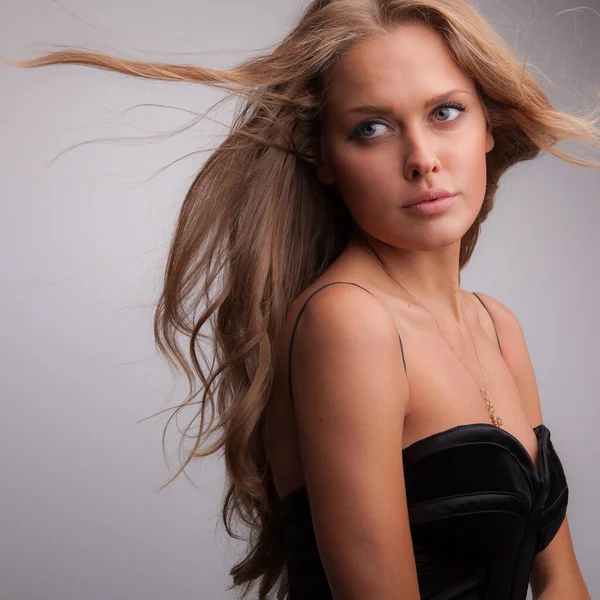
(356, 133)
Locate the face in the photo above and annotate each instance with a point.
(381, 157)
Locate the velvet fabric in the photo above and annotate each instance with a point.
(479, 512)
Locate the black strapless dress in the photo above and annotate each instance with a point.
(479, 511)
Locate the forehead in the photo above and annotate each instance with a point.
(408, 65)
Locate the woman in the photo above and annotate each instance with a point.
(381, 427)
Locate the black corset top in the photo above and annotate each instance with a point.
(479, 512)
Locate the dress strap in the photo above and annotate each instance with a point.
(296, 325)
(494, 325)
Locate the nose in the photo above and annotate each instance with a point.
(421, 157)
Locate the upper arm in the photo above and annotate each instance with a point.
(556, 567)
(350, 400)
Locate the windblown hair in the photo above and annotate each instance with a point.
(258, 227)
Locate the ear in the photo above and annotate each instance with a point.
(489, 140)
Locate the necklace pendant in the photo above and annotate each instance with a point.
(497, 420)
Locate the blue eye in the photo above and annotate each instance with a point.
(356, 134)
(455, 105)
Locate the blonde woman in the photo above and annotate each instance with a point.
(381, 426)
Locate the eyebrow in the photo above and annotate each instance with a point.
(370, 108)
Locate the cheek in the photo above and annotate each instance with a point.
(371, 192)
(366, 177)
(364, 168)
(366, 185)
(468, 168)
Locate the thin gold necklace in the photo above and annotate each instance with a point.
(496, 419)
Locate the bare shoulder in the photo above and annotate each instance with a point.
(350, 398)
(516, 355)
(339, 300)
(504, 318)
(345, 331)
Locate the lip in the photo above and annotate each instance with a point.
(428, 196)
(432, 207)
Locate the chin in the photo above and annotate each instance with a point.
(445, 233)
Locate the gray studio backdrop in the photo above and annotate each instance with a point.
(83, 243)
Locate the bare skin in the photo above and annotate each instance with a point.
(403, 152)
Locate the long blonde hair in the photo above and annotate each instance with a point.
(258, 227)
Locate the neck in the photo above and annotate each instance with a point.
(432, 276)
